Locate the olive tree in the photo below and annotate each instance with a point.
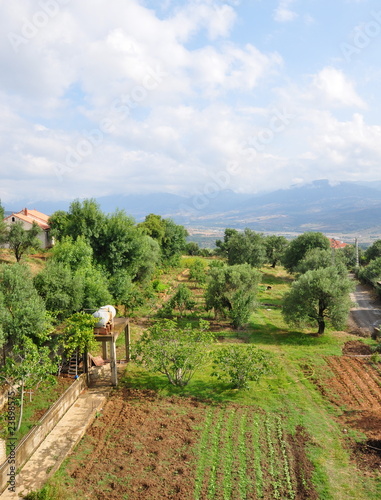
(316, 296)
(247, 247)
(173, 351)
(275, 247)
(231, 292)
(298, 248)
(21, 240)
(23, 310)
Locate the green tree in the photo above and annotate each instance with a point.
(222, 246)
(95, 287)
(60, 287)
(78, 334)
(240, 365)
(171, 237)
(173, 243)
(124, 291)
(347, 255)
(192, 248)
(26, 366)
(275, 247)
(76, 254)
(173, 351)
(197, 271)
(231, 292)
(182, 300)
(316, 296)
(247, 247)
(316, 258)
(83, 219)
(298, 248)
(154, 226)
(373, 252)
(58, 223)
(23, 310)
(372, 272)
(22, 240)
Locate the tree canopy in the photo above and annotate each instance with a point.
(117, 242)
(231, 291)
(298, 248)
(23, 310)
(246, 248)
(174, 351)
(275, 247)
(373, 252)
(316, 296)
(21, 240)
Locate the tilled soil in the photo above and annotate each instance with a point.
(355, 386)
(141, 444)
(146, 447)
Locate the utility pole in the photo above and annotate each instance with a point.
(357, 252)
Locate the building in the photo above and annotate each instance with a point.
(337, 244)
(27, 217)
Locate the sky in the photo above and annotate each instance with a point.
(110, 97)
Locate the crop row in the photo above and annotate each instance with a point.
(243, 453)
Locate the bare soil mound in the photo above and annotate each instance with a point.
(356, 347)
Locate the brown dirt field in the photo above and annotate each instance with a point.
(146, 447)
(141, 444)
(355, 386)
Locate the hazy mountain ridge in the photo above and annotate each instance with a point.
(345, 207)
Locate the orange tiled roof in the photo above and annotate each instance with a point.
(337, 244)
(31, 216)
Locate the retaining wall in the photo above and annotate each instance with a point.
(37, 434)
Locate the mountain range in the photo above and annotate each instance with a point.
(341, 208)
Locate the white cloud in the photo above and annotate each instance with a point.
(284, 13)
(215, 92)
(338, 90)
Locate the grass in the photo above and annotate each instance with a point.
(286, 399)
(46, 394)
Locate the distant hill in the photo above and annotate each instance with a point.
(341, 208)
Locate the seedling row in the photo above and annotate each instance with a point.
(244, 453)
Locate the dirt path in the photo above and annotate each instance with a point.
(368, 307)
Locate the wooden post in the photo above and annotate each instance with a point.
(104, 350)
(114, 373)
(127, 341)
(86, 367)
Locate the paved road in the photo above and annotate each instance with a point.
(368, 307)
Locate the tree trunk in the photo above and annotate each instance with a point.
(321, 324)
(320, 320)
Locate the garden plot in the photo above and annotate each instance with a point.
(144, 446)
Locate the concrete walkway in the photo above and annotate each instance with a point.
(62, 439)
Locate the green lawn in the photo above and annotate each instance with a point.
(277, 406)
